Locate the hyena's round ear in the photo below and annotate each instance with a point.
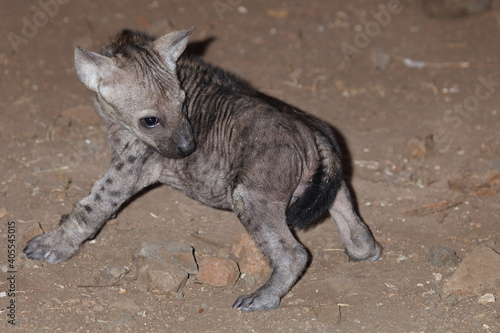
(92, 68)
(171, 46)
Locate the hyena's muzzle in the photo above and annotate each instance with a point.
(184, 139)
(181, 142)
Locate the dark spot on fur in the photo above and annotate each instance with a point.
(109, 181)
(63, 218)
(88, 208)
(102, 188)
(246, 131)
(131, 159)
(114, 204)
(97, 197)
(145, 159)
(255, 228)
(119, 166)
(284, 245)
(262, 150)
(114, 193)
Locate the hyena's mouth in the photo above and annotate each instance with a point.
(177, 148)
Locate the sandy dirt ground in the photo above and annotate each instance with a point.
(416, 99)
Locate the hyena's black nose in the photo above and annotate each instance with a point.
(186, 147)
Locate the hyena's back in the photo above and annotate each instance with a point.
(226, 111)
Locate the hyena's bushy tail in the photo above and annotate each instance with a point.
(324, 185)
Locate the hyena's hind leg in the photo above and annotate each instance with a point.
(132, 168)
(354, 233)
(265, 221)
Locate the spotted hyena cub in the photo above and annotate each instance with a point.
(174, 119)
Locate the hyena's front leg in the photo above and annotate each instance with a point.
(133, 167)
(266, 222)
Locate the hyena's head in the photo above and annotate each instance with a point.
(136, 85)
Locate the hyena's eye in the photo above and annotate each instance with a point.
(150, 122)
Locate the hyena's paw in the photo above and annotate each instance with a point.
(54, 247)
(257, 301)
(370, 252)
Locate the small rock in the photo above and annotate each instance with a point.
(164, 266)
(478, 274)
(249, 280)
(250, 259)
(437, 276)
(242, 10)
(155, 250)
(442, 256)
(416, 148)
(111, 275)
(428, 293)
(163, 281)
(126, 304)
(450, 300)
(218, 272)
(179, 252)
(486, 298)
(3, 212)
(98, 308)
(162, 277)
(187, 261)
(297, 301)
